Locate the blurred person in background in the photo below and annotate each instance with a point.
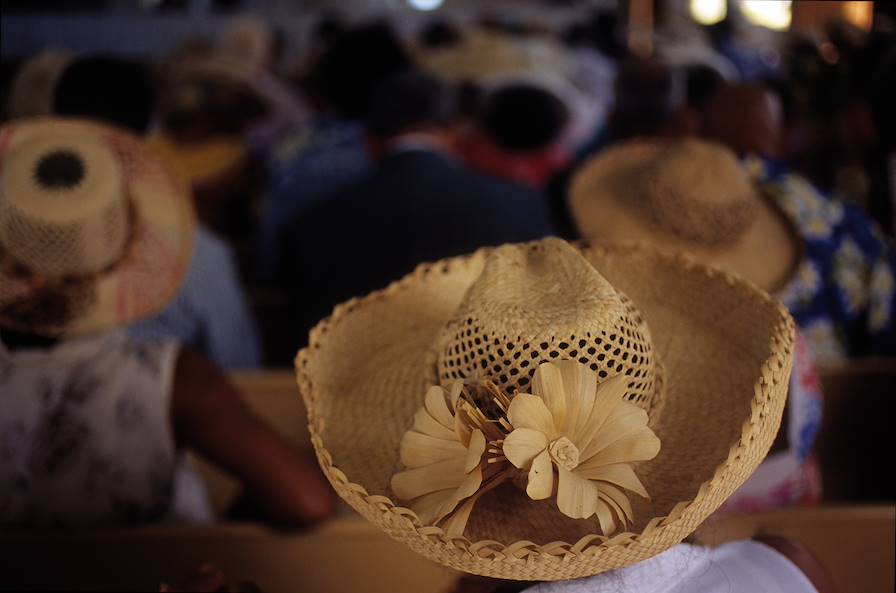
(210, 312)
(419, 204)
(94, 424)
(649, 101)
(32, 86)
(747, 117)
(823, 258)
(207, 104)
(518, 135)
(327, 153)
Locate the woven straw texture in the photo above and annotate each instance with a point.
(688, 195)
(518, 315)
(725, 348)
(100, 241)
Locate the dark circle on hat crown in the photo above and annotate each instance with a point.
(60, 169)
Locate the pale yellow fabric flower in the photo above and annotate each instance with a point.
(443, 452)
(586, 432)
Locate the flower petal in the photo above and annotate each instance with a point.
(454, 388)
(418, 449)
(530, 411)
(547, 383)
(620, 474)
(468, 488)
(580, 387)
(522, 445)
(455, 525)
(605, 518)
(461, 425)
(427, 506)
(541, 477)
(576, 496)
(475, 450)
(618, 500)
(609, 395)
(425, 423)
(437, 407)
(638, 446)
(625, 419)
(410, 484)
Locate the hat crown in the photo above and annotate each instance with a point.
(63, 208)
(543, 302)
(698, 191)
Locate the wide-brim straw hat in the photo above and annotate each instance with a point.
(95, 231)
(707, 356)
(685, 195)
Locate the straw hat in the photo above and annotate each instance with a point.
(591, 378)
(663, 193)
(94, 232)
(34, 87)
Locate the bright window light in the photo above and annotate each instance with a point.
(859, 14)
(773, 14)
(709, 12)
(425, 4)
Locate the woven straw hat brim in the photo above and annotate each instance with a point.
(149, 275)
(604, 208)
(726, 350)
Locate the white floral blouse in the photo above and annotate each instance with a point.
(85, 433)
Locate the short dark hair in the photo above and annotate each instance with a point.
(110, 89)
(410, 100)
(522, 117)
(439, 33)
(348, 73)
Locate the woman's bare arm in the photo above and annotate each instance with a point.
(209, 416)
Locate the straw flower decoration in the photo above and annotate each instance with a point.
(579, 439)
(445, 453)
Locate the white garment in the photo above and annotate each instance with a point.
(85, 433)
(737, 567)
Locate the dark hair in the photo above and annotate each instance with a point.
(439, 33)
(647, 95)
(349, 72)
(410, 100)
(702, 81)
(523, 117)
(109, 89)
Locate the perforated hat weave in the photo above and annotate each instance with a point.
(714, 376)
(530, 307)
(94, 231)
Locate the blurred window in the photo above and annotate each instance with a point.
(709, 12)
(773, 14)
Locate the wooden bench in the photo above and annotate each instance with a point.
(856, 544)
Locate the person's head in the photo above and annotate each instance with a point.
(346, 76)
(85, 212)
(747, 117)
(438, 34)
(410, 102)
(204, 93)
(518, 134)
(649, 96)
(109, 89)
(523, 118)
(702, 83)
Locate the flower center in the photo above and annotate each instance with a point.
(564, 453)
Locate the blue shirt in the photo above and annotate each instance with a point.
(210, 312)
(842, 295)
(313, 161)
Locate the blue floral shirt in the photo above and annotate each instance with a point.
(842, 296)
